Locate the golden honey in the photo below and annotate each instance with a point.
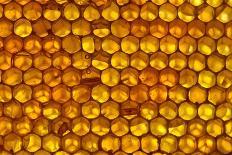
(103, 77)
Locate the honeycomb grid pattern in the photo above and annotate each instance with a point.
(103, 77)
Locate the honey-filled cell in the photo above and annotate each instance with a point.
(102, 77)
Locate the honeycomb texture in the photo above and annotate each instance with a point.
(103, 77)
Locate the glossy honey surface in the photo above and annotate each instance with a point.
(103, 77)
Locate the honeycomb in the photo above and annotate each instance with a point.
(104, 77)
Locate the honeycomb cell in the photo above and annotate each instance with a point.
(224, 144)
(149, 76)
(129, 76)
(61, 27)
(22, 126)
(215, 127)
(206, 144)
(197, 94)
(32, 142)
(129, 44)
(42, 93)
(100, 126)
(41, 126)
(32, 11)
(177, 127)
(111, 44)
(196, 28)
(159, 60)
(120, 93)
(139, 126)
(149, 143)
(32, 109)
(90, 109)
(13, 44)
(215, 59)
(110, 110)
(41, 27)
(32, 77)
(158, 93)
(158, 28)
(206, 79)
(196, 127)
(81, 93)
(215, 29)
(91, 13)
(42, 61)
(12, 109)
(61, 60)
(73, 48)
(168, 110)
(224, 79)
(168, 77)
(187, 144)
(119, 126)
(40, 152)
(100, 93)
(81, 60)
(130, 143)
(186, 12)
(168, 143)
(22, 27)
(139, 28)
(123, 63)
(206, 45)
(222, 13)
(80, 126)
(51, 143)
(177, 61)
(32, 44)
(71, 77)
(70, 143)
(111, 13)
(139, 93)
(61, 93)
(168, 44)
(51, 110)
(129, 109)
(206, 111)
(188, 78)
(81, 27)
(187, 110)
(216, 95)
(167, 12)
(52, 77)
(12, 142)
(223, 46)
(7, 126)
(101, 60)
(22, 93)
(71, 11)
(13, 11)
(120, 28)
(90, 142)
(12, 76)
(224, 111)
(177, 28)
(110, 143)
(177, 94)
(130, 12)
(51, 11)
(158, 126)
(106, 77)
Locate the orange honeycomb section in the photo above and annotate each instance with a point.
(104, 77)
